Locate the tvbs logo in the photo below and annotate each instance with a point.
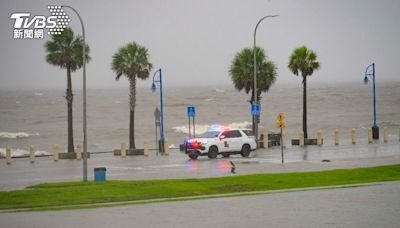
(28, 27)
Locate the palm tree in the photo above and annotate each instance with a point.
(242, 75)
(305, 61)
(66, 51)
(132, 61)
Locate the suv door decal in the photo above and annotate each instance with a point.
(226, 144)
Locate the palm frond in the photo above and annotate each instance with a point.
(242, 70)
(131, 60)
(303, 60)
(66, 50)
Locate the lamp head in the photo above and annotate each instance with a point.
(153, 87)
(366, 80)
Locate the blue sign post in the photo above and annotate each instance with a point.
(191, 112)
(255, 110)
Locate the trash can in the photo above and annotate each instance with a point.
(100, 174)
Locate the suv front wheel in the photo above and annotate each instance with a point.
(245, 152)
(213, 152)
(193, 154)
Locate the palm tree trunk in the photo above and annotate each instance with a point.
(132, 102)
(305, 107)
(69, 97)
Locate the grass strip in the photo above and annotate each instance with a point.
(78, 193)
(203, 197)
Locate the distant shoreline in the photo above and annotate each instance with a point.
(227, 86)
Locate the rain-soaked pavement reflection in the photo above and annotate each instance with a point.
(218, 166)
(21, 173)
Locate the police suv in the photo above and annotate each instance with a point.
(221, 141)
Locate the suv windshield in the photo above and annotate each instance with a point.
(209, 134)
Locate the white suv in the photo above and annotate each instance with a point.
(225, 142)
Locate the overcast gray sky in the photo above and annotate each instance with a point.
(195, 41)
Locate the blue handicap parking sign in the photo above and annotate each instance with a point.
(255, 109)
(191, 111)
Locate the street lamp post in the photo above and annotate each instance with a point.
(375, 128)
(84, 95)
(153, 88)
(255, 94)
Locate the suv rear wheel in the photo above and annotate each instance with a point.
(245, 152)
(213, 152)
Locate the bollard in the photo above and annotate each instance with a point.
(55, 152)
(353, 136)
(8, 156)
(265, 139)
(319, 137)
(385, 135)
(283, 139)
(369, 135)
(78, 152)
(261, 141)
(123, 150)
(146, 149)
(336, 137)
(32, 154)
(166, 149)
(301, 139)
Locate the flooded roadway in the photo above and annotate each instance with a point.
(177, 165)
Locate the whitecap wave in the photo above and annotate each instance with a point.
(172, 146)
(241, 125)
(201, 128)
(219, 90)
(12, 135)
(22, 152)
(39, 94)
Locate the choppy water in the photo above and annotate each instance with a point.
(39, 117)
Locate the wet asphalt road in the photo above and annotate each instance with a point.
(376, 205)
(177, 165)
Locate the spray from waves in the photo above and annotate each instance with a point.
(12, 135)
(380, 123)
(201, 128)
(219, 91)
(22, 152)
